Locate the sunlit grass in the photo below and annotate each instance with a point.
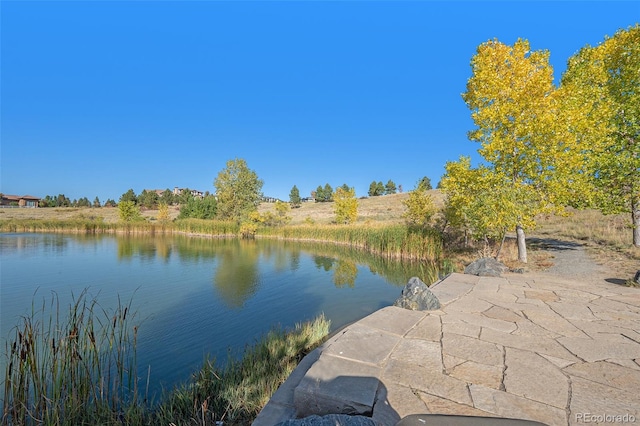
(237, 391)
(393, 241)
(79, 368)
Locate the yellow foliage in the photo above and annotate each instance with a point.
(163, 212)
(420, 207)
(345, 205)
(602, 111)
(532, 166)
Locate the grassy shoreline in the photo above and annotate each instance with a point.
(395, 241)
(80, 368)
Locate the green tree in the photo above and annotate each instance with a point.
(601, 105)
(424, 184)
(294, 197)
(129, 196)
(514, 106)
(376, 189)
(346, 205)
(129, 211)
(148, 199)
(110, 203)
(328, 192)
(372, 189)
(390, 187)
(62, 201)
(239, 190)
(83, 202)
(167, 197)
(324, 194)
(185, 196)
(96, 202)
(483, 202)
(199, 208)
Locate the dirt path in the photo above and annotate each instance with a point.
(571, 260)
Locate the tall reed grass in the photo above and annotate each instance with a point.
(74, 369)
(395, 241)
(392, 241)
(80, 226)
(80, 369)
(207, 227)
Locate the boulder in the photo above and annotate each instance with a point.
(636, 278)
(486, 267)
(330, 420)
(416, 296)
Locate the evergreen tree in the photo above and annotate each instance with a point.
(129, 196)
(424, 184)
(294, 197)
(167, 197)
(148, 199)
(390, 187)
(328, 192)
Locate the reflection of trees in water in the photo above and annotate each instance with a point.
(276, 252)
(345, 273)
(50, 243)
(393, 271)
(133, 245)
(236, 275)
(241, 257)
(323, 262)
(294, 260)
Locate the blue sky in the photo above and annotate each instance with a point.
(100, 97)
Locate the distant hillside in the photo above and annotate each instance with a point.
(384, 208)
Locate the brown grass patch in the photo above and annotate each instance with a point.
(107, 214)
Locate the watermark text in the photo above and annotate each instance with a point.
(605, 418)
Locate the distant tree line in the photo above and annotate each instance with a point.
(62, 200)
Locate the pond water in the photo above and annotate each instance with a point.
(196, 296)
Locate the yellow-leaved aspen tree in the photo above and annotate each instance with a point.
(513, 104)
(346, 205)
(419, 206)
(601, 109)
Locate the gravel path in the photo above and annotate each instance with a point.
(570, 260)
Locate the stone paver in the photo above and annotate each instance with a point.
(337, 386)
(524, 346)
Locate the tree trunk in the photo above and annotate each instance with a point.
(635, 220)
(504, 235)
(522, 246)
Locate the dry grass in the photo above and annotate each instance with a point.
(608, 238)
(107, 214)
(386, 209)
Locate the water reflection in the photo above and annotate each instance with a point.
(200, 295)
(345, 273)
(236, 271)
(236, 275)
(324, 262)
(26, 243)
